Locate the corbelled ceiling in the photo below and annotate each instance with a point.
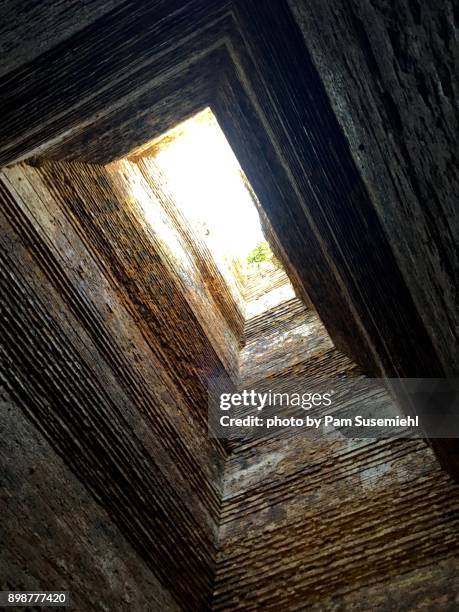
(342, 117)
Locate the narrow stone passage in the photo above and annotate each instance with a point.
(202, 196)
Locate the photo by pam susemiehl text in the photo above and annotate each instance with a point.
(317, 422)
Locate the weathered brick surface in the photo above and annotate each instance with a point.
(330, 524)
(346, 127)
(390, 70)
(102, 350)
(55, 536)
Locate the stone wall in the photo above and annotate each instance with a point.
(342, 117)
(105, 350)
(330, 523)
(55, 536)
(29, 29)
(390, 71)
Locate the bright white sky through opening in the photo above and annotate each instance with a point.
(206, 179)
